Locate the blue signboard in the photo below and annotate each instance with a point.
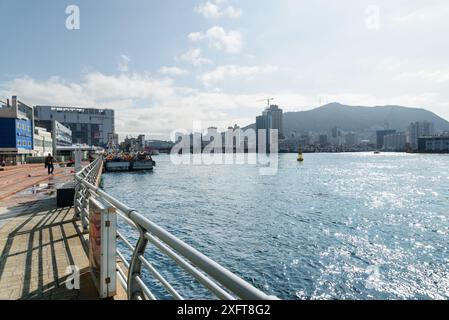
(16, 133)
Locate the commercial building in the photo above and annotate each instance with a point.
(395, 142)
(89, 126)
(62, 136)
(16, 131)
(434, 144)
(43, 142)
(380, 135)
(417, 130)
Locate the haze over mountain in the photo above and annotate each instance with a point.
(358, 118)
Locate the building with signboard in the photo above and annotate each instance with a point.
(89, 126)
(16, 131)
(62, 136)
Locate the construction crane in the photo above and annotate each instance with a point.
(267, 100)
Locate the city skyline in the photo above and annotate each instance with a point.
(215, 59)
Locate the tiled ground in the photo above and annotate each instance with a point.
(38, 242)
(35, 177)
(36, 249)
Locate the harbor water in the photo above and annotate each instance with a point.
(338, 226)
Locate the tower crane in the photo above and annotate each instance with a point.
(267, 100)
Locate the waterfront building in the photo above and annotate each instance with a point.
(133, 144)
(261, 124)
(43, 142)
(417, 130)
(89, 126)
(141, 142)
(271, 119)
(395, 142)
(160, 146)
(434, 144)
(337, 137)
(232, 139)
(380, 134)
(16, 131)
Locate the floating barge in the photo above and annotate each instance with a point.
(121, 163)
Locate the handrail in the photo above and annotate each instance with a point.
(215, 278)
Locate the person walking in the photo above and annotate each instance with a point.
(49, 164)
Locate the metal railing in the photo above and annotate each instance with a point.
(216, 279)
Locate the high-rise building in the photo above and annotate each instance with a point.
(337, 137)
(271, 119)
(380, 134)
(275, 119)
(418, 130)
(89, 126)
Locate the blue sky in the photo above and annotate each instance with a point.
(164, 64)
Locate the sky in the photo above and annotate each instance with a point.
(165, 66)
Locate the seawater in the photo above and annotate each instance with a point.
(338, 226)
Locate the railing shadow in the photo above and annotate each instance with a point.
(39, 249)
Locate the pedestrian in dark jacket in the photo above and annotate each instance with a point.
(49, 164)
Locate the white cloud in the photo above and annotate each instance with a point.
(151, 106)
(195, 57)
(123, 65)
(217, 9)
(220, 39)
(237, 72)
(94, 89)
(424, 14)
(196, 36)
(174, 71)
(436, 76)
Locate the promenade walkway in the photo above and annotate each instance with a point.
(14, 179)
(38, 241)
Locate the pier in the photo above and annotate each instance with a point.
(40, 243)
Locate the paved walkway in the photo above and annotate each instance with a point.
(37, 246)
(38, 242)
(15, 179)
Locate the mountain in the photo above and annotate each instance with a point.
(358, 118)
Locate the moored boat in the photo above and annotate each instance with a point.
(117, 166)
(128, 162)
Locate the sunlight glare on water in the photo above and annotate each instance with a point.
(338, 226)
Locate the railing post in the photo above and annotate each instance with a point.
(75, 201)
(84, 206)
(135, 266)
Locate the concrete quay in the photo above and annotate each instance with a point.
(39, 242)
